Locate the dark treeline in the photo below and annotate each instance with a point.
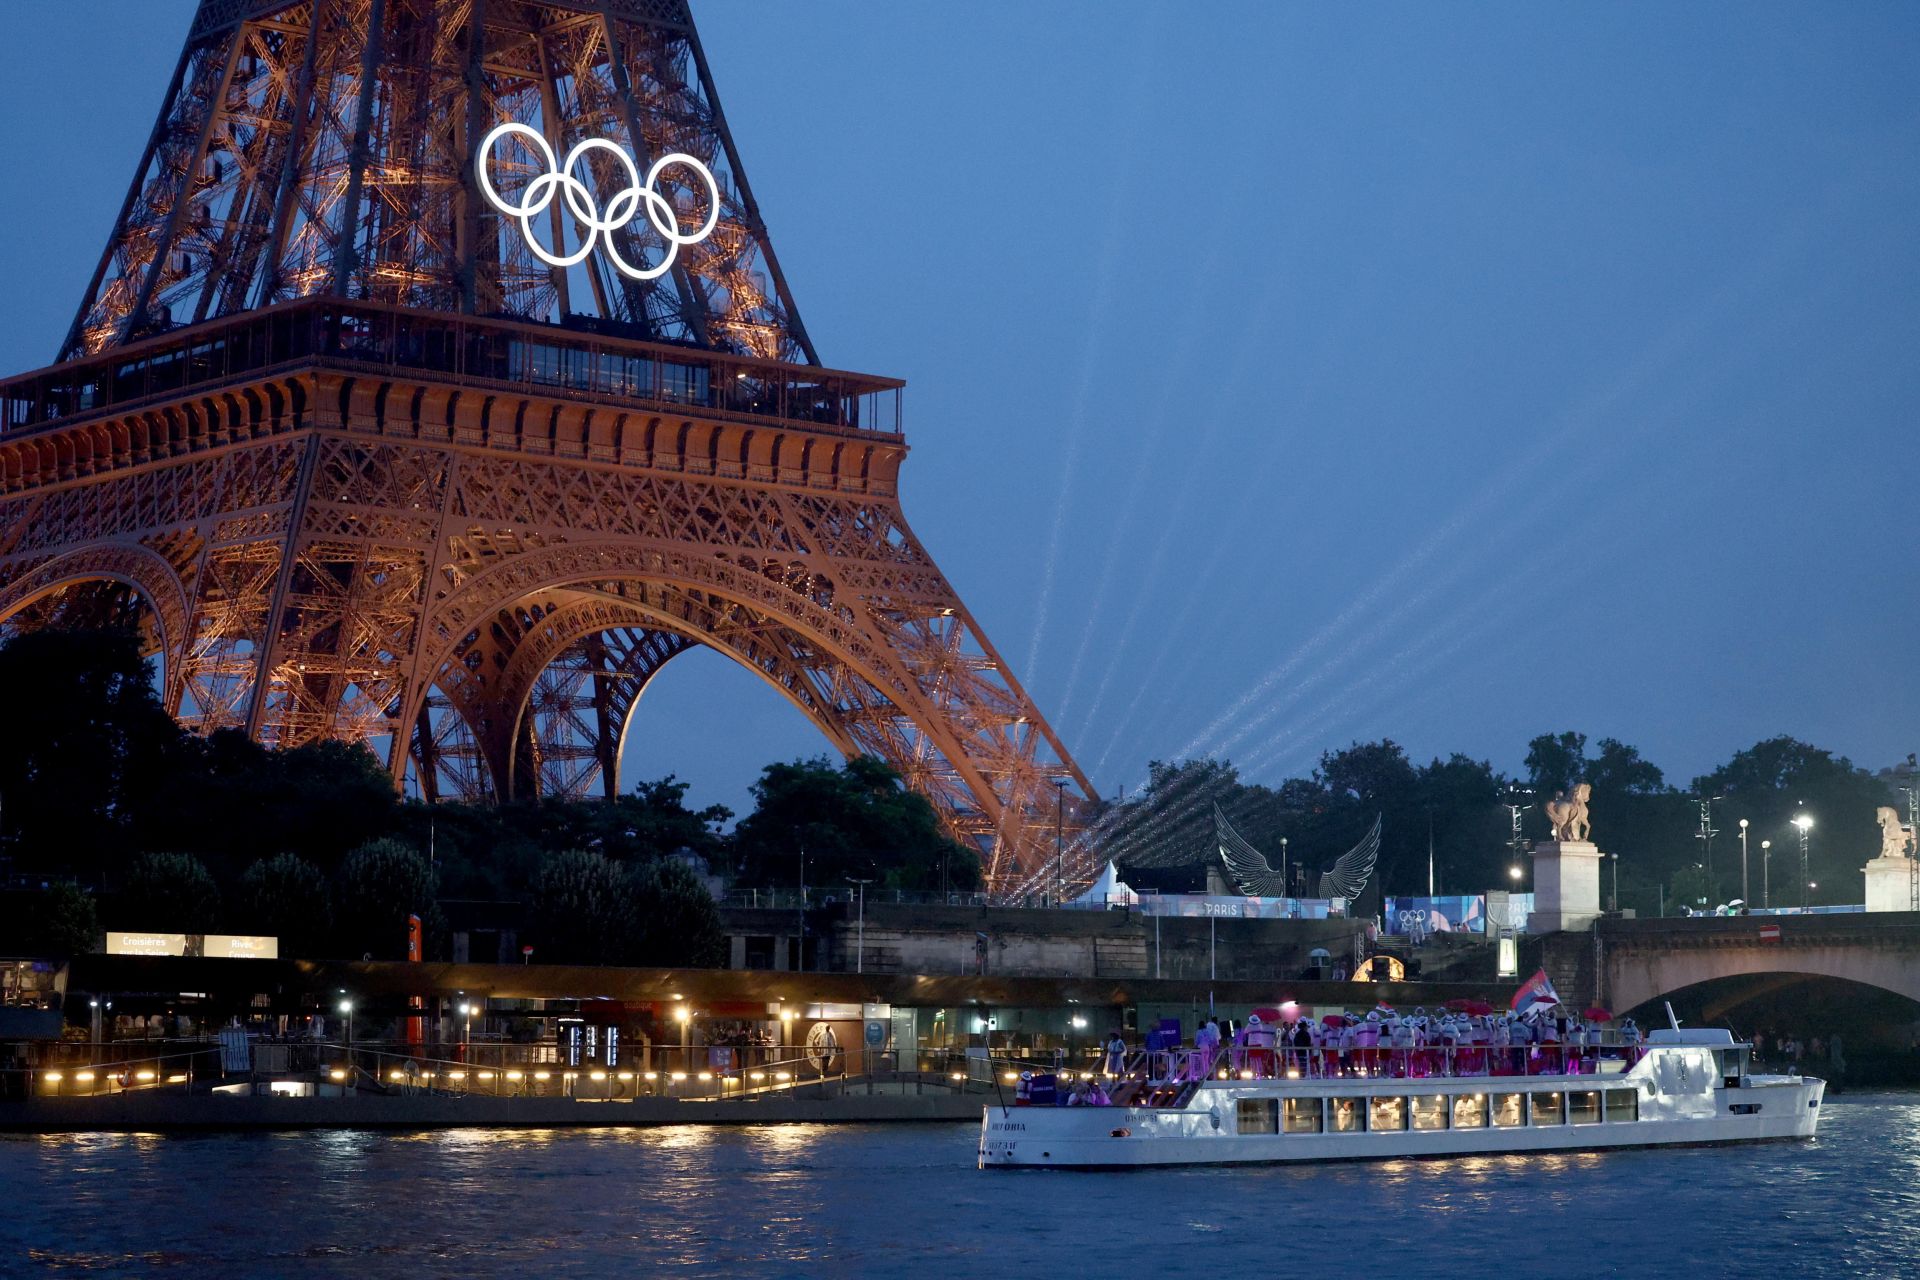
(113, 817)
(1160, 837)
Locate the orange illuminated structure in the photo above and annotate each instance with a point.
(365, 467)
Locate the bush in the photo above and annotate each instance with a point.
(583, 911)
(679, 922)
(169, 893)
(287, 897)
(57, 922)
(381, 884)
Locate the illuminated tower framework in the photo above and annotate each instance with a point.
(366, 466)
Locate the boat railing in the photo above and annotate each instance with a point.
(1440, 1061)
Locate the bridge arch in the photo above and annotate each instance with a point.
(1644, 975)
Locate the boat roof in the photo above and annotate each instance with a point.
(1711, 1037)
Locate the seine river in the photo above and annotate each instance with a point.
(905, 1200)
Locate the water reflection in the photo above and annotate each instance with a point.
(814, 1200)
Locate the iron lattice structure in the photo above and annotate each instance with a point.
(365, 468)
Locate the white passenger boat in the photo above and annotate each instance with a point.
(1684, 1086)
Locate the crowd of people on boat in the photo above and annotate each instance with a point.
(1474, 1040)
(1385, 1042)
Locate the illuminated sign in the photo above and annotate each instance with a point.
(146, 944)
(581, 203)
(226, 946)
(232, 946)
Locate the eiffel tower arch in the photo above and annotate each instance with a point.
(379, 447)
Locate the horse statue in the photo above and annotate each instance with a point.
(1568, 814)
(1894, 836)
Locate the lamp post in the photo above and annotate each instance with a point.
(1766, 879)
(1515, 841)
(1743, 861)
(1615, 907)
(1804, 821)
(466, 1038)
(1285, 886)
(860, 946)
(346, 1011)
(684, 1016)
(1705, 835)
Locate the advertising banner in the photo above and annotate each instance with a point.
(1461, 913)
(146, 944)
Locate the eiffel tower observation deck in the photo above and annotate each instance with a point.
(439, 384)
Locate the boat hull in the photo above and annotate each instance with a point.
(1205, 1132)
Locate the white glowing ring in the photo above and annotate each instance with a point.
(584, 208)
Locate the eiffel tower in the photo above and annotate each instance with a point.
(378, 444)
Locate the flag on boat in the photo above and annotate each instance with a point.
(1536, 992)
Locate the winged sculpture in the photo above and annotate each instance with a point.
(1256, 878)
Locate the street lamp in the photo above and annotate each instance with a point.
(346, 1011)
(1616, 882)
(1743, 860)
(1285, 887)
(860, 947)
(1804, 821)
(684, 1016)
(1706, 834)
(466, 1041)
(1766, 879)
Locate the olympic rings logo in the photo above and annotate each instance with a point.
(558, 180)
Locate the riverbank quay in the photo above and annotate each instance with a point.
(137, 1112)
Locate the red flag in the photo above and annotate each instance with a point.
(1535, 992)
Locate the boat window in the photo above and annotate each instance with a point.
(1546, 1108)
(1623, 1105)
(1386, 1114)
(1346, 1115)
(1303, 1115)
(1469, 1110)
(1583, 1106)
(1509, 1110)
(1429, 1111)
(1259, 1115)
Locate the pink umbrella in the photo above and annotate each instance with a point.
(1267, 1015)
(1334, 1020)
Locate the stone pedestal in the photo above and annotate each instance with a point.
(1890, 885)
(1566, 885)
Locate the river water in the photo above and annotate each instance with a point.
(900, 1199)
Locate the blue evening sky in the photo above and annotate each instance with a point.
(1287, 375)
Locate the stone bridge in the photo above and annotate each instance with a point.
(1637, 961)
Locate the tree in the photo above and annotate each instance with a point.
(381, 884)
(1771, 782)
(99, 737)
(286, 896)
(1620, 770)
(319, 800)
(1373, 773)
(1692, 887)
(57, 921)
(679, 922)
(1555, 762)
(168, 892)
(854, 821)
(583, 910)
